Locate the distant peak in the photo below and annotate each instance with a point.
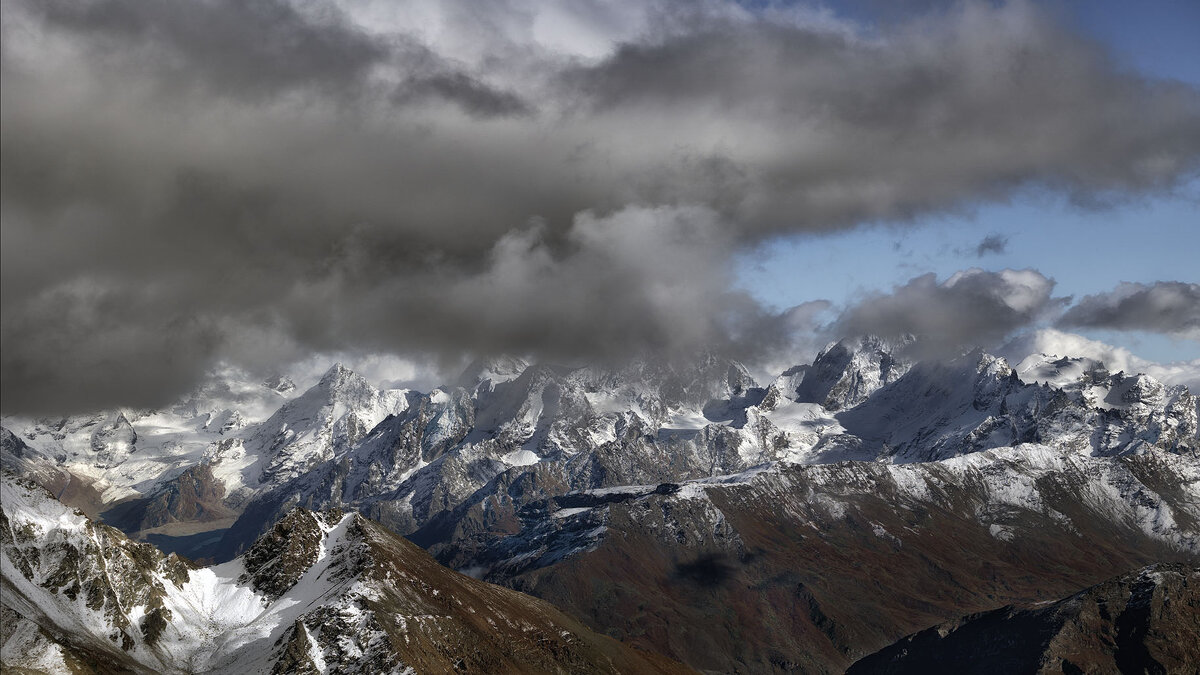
(280, 383)
(871, 342)
(339, 375)
(337, 370)
(495, 368)
(846, 372)
(986, 362)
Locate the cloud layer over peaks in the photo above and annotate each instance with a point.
(970, 308)
(194, 180)
(1168, 307)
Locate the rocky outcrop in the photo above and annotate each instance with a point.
(281, 556)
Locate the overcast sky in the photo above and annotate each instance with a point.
(195, 181)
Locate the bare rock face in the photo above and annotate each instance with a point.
(1146, 621)
(281, 556)
(296, 655)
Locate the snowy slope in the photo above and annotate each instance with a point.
(153, 613)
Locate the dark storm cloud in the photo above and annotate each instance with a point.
(96, 335)
(1168, 307)
(992, 244)
(191, 181)
(233, 47)
(969, 308)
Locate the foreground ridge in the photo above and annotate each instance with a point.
(320, 592)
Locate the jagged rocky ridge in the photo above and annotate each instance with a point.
(409, 457)
(551, 431)
(1146, 621)
(321, 592)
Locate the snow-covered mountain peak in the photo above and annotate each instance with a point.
(324, 421)
(113, 440)
(15, 451)
(670, 384)
(942, 409)
(339, 383)
(1099, 387)
(228, 389)
(996, 366)
(848, 371)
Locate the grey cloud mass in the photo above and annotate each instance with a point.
(192, 181)
(1169, 307)
(970, 308)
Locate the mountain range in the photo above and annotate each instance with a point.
(682, 514)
